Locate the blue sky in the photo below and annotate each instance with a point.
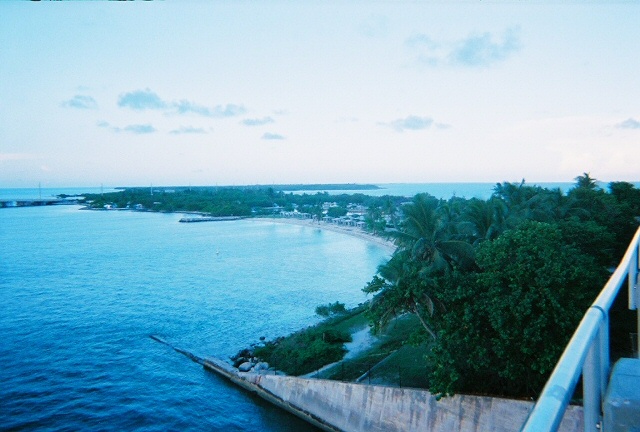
(246, 92)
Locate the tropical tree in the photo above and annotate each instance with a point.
(484, 220)
(427, 248)
(430, 237)
(520, 309)
(399, 288)
(390, 209)
(586, 181)
(373, 219)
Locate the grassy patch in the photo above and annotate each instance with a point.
(308, 350)
(389, 360)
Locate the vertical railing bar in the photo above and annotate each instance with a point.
(632, 277)
(605, 360)
(632, 272)
(591, 387)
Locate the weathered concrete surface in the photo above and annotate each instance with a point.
(334, 405)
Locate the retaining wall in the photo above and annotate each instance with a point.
(339, 406)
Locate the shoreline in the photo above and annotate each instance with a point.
(352, 231)
(341, 229)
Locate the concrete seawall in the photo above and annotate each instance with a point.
(339, 406)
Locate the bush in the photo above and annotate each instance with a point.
(330, 309)
(304, 351)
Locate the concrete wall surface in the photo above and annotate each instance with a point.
(334, 405)
(360, 407)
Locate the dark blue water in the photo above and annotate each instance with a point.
(81, 291)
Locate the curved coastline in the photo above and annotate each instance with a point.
(352, 231)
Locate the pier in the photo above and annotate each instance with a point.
(210, 219)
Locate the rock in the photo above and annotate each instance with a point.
(261, 366)
(238, 361)
(245, 367)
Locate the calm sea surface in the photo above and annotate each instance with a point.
(447, 190)
(81, 291)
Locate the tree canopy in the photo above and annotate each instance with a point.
(499, 285)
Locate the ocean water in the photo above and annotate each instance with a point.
(46, 193)
(438, 190)
(448, 190)
(81, 291)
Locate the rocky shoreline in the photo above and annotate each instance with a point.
(245, 361)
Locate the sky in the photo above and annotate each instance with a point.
(264, 92)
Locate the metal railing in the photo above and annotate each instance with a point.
(588, 354)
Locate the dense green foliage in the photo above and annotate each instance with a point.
(234, 201)
(305, 351)
(500, 285)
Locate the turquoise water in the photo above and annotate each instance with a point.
(81, 291)
(448, 190)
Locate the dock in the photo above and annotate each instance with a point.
(210, 219)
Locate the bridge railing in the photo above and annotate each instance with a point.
(587, 354)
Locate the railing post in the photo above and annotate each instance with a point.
(634, 301)
(605, 360)
(592, 386)
(632, 277)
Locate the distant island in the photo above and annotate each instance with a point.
(353, 209)
(319, 187)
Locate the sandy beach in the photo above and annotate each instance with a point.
(348, 230)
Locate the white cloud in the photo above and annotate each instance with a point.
(258, 121)
(81, 102)
(411, 122)
(629, 123)
(188, 130)
(272, 136)
(477, 49)
(141, 100)
(146, 99)
(140, 129)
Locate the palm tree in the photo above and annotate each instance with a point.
(426, 249)
(428, 235)
(390, 210)
(400, 289)
(484, 220)
(586, 181)
(553, 205)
